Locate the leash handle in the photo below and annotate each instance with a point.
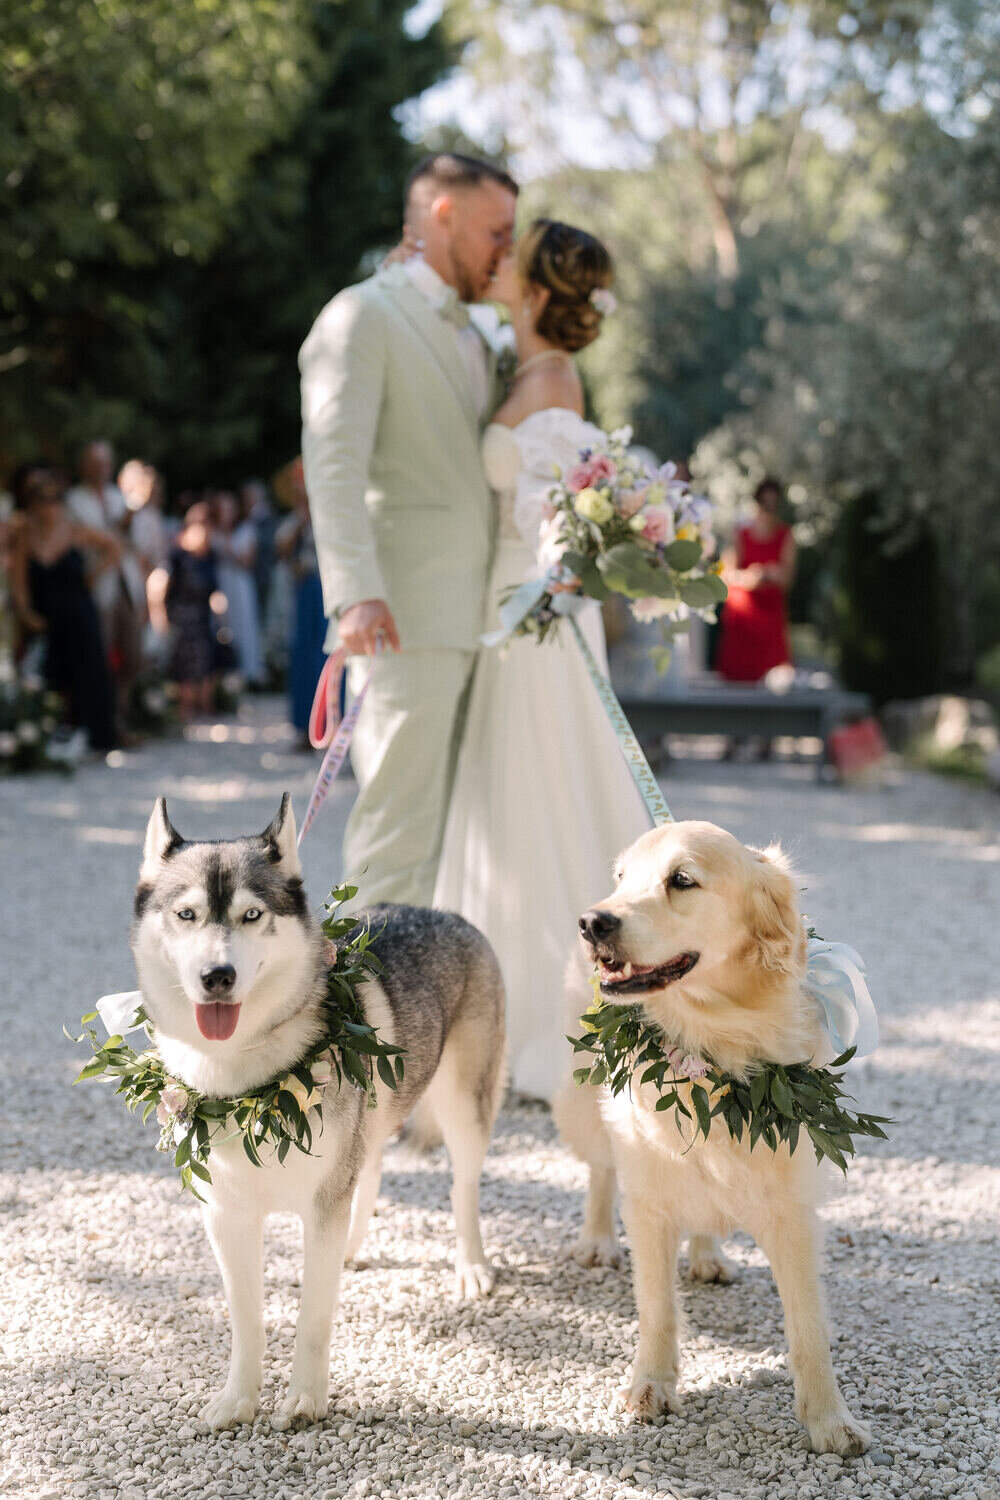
(642, 771)
(327, 729)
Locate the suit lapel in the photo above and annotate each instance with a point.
(434, 330)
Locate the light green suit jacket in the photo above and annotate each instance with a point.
(400, 506)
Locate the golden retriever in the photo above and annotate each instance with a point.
(706, 935)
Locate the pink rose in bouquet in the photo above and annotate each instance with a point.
(658, 525)
(590, 473)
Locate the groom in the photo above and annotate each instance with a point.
(396, 385)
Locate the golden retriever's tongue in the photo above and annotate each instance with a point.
(217, 1020)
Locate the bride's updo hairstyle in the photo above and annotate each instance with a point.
(570, 264)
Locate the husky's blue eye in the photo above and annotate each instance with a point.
(253, 915)
(186, 914)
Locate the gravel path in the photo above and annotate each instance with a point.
(114, 1326)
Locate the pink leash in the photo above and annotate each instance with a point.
(326, 728)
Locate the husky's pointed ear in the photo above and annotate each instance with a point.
(162, 839)
(279, 835)
(776, 928)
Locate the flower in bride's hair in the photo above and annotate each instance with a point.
(603, 300)
(593, 506)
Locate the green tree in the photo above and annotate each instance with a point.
(126, 133)
(182, 185)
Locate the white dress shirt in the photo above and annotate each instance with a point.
(469, 342)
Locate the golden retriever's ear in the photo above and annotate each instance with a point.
(773, 918)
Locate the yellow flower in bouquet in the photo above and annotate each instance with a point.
(593, 506)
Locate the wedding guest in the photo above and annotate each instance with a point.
(236, 551)
(119, 591)
(758, 570)
(192, 582)
(143, 489)
(258, 510)
(295, 547)
(50, 590)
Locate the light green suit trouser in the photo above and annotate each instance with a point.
(404, 754)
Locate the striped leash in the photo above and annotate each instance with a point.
(327, 729)
(642, 771)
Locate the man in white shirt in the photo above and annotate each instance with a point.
(396, 385)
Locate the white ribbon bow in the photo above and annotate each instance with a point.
(118, 1012)
(835, 978)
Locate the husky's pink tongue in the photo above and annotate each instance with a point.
(217, 1020)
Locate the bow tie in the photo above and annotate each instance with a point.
(452, 308)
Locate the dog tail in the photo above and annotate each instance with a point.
(423, 1132)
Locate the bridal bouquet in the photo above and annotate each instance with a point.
(615, 526)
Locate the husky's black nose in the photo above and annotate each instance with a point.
(218, 979)
(597, 925)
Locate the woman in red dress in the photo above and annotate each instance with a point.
(758, 570)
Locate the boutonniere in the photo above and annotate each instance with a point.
(280, 1114)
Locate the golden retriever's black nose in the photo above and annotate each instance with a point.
(597, 925)
(218, 979)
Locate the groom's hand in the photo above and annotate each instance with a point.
(361, 625)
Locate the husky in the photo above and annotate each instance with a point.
(232, 969)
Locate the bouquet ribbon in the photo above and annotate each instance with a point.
(524, 599)
(642, 771)
(327, 729)
(835, 977)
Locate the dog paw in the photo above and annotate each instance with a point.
(838, 1432)
(229, 1409)
(474, 1279)
(301, 1406)
(647, 1399)
(711, 1266)
(597, 1250)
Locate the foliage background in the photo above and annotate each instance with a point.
(803, 198)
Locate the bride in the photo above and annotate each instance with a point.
(542, 800)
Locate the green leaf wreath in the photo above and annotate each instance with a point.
(774, 1103)
(284, 1112)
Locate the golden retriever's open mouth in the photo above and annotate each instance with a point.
(634, 979)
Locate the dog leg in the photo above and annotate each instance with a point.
(466, 1141)
(578, 1118)
(236, 1239)
(790, 1240)
(597, 1245)
(364, 1202)
(325, 1237)
(706, 1262)
(654, 1240)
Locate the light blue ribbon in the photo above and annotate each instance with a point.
(835, 977)
(515, 609)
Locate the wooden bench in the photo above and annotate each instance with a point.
(735, 709)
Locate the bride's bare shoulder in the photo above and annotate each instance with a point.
(541, 389)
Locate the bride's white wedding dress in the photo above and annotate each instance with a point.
(543, 799)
